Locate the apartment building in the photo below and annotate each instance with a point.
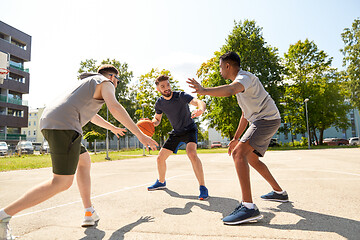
(32, 131)
(15, 51)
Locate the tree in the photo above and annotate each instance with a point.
(351, 51)
(256, 57)
(309, 74)
(91, 136)
(146, 93)
(122, 92)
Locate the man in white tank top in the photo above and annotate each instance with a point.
(61, 125)
(258, 109)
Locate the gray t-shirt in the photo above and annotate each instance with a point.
(74, 109)
(255, 101)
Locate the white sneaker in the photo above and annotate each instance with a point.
(90, 219)
(5, 231)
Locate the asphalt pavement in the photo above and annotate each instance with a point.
(323, 186)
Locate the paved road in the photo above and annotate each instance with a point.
(323, 185)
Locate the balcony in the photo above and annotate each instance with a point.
(13, 136)
(6, 99)
(18, 67)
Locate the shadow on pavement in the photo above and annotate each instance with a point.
(93, 233)
(313, 221)
(216, 204)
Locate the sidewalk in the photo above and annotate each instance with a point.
(323, 186)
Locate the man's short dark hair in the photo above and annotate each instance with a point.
(107, 69)
(161, 79)
(232, 58)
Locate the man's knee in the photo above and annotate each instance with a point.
(238, 155)
(160, 159)
(63, 182)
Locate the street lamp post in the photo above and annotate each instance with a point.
(307, 121)
(142, 106)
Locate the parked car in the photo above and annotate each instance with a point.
(37, 146)
(274, 143)
(44, 148)
(3, 148)
(224, 144)
(354, 141)
(202, 145)
(216, 144)
(25, 147)
(335, 141)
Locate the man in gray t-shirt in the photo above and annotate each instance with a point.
(258, 109)
(61, 125)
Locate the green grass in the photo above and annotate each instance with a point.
(283, 148)
(43, 161)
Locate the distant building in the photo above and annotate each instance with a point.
(215, 136)
(15, 49)
(352, 131)
(33, 132)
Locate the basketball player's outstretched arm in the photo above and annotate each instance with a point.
(220, 91)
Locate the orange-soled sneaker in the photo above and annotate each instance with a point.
(90, 219)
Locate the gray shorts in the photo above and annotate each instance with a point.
(260, 133)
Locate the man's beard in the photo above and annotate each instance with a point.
(166, 94)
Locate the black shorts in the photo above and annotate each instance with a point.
(176, 140)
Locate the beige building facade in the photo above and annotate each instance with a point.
(32, 132)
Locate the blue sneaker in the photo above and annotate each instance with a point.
(204, 194)
(273, 196)
(242, 214)
(157, 185)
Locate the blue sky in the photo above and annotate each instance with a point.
(164, 34)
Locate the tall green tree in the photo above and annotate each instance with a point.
(256, 57)
(122, 92)
(146, 94)
(309, 75)
(351, 51)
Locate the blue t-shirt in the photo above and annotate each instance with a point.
(177, 110)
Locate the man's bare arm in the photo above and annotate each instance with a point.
(220, 91)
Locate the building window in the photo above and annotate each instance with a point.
(29, 133)
(29, 123)
(34, 132)
(30, 114)
(34, 123)
(34, 114)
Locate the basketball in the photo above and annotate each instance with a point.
(146, 126)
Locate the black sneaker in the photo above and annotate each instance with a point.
(273, 196)
(242, 214)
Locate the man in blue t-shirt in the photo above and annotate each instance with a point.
(176, 107)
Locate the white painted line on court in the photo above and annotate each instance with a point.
(101, 195)
(317, 170)
(182, 175)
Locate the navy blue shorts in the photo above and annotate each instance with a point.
(176, 140)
